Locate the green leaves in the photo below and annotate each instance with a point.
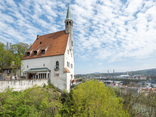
(93, 99)
(13, 55)
(18, 50)
(5, 57)
(33, 102)
(89, 99)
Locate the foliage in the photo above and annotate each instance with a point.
(12, 57)
(138, 104)
(18, 50)
(92, 99)
(89, 99)
(33, 102)
(5, 57)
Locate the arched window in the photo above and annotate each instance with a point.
(57, 65)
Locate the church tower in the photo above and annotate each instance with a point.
(69, 26)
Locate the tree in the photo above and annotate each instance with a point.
(32, 102)
(93, 99)
(18, 50)
(142, 104)
(5, 57)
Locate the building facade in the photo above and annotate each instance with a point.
(51, 56)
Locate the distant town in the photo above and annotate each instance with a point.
(141, 80)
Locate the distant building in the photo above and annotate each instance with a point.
(8, 45)
(9, 73)
(123, 76)
(140, 77)
(51, 56)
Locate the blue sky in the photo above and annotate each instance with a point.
(108, 34)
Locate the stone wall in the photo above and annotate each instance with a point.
(19, 85)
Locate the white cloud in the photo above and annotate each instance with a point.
(103, 29)
(112, 37)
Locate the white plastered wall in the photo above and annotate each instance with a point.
(58, 81)
(69, 57)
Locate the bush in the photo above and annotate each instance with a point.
(33, 102)
(89, 99)
(93, 99)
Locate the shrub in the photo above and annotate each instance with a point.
(33, 102)
(93, 99)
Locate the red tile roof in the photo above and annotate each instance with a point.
(53, 44)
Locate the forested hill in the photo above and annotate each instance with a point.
(146, 72)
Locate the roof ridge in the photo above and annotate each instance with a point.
(51, 33)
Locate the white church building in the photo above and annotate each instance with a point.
(51, 56)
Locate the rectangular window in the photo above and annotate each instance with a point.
(71, 65)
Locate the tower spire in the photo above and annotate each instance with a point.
(68, 21)
(68, 16)
(69, 26)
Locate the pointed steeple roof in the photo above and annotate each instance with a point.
(68, 16)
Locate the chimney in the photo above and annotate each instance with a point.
(38, 36)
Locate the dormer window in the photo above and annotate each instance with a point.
(28, 53)
(43, 51)
(35, 52)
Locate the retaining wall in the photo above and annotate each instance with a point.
(19, 85)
